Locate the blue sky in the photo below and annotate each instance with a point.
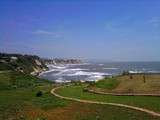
(118, 30)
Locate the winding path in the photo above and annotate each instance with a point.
(104, 103)
(121, 94)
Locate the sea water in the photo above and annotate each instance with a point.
(96, 70)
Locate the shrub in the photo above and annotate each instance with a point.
(131, 77)
(125, 73)
(39, 94)
(85, 90)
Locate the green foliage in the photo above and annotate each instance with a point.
(107, 112)
(48, 101)
(24, 62)
(140, 101)
(5, 66)
(14, 80)
(39, 94)
(85, 90)
(107, 83)
(14, 99)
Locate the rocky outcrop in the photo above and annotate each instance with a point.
(23, 63)
(30, 63)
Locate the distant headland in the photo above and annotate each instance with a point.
(31, 64)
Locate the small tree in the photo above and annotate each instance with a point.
(144, 78)
(39, 94)
(130, 76)
(85, 90)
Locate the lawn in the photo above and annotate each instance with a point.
(19, 101)
(107, 112)
(151, 103)
(107, 83)
(19, 91)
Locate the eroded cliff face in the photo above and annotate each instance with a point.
(31, 64)
(23, 63)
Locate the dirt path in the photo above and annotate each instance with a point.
(120, 94)
(104, 103)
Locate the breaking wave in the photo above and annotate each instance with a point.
(95, 71)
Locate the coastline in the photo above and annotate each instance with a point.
(88, 72)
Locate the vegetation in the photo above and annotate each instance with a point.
(39, 94)
(19, 101)
(18, 92)
(5, 66)
(25, 63)
(136, 83)
(151, 103)
(103, 112)
(29, 63)
(25, 97)
(107, 83)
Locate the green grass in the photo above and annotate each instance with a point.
(151, 103)
(106, 112)
(107, 83)
(5, 66)
(130, 84)
(18, 90)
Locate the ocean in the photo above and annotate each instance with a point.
(96, 70)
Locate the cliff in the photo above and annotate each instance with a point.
(23, 63)
(31, 64)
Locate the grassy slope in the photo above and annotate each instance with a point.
(5, 66)
(151, 103)
(18, 101)
(137, 83)
(109, 83)
(123, 84)
(103, 112)
(19, 90)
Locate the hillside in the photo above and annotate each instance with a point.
(129, 84)
(29, 63)
(25, 97)
(23, 63)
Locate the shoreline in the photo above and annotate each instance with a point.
(97, 75)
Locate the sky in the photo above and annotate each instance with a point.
(114, 30)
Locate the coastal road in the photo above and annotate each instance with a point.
(104, 103)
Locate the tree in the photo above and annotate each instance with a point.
(144, 78)
(39, 94)
(85, 90)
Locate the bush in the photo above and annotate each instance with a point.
(131, 77)
(125, 73)
(85, 90)
(39, 94)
